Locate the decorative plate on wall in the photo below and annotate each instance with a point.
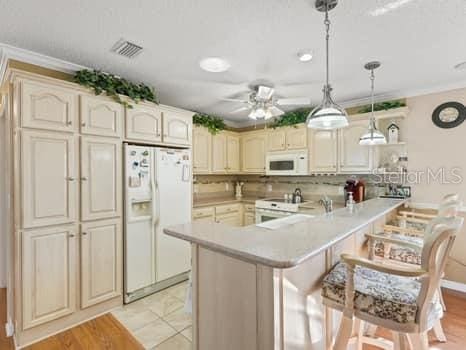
(449, 115)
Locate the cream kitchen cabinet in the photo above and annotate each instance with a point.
(101, 261)
(354, 158)
(287, 138)
(45, 106)
(253, 152)
(48, 177)
(48, 274)
(323, 151)
(204, 214)
(219, 153)
(177, 127)
(233, 147)
(202, 150)
(232, 219)
(276, 140)
(225, 153)
(100, 116)
(249, 214)
(144, 123)
(101, 174)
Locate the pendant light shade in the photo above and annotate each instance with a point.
(372, 137)
(328, 115)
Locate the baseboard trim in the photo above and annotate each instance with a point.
(456, 286)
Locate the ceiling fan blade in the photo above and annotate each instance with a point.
(265, 92)
(234, 100)
(242, 109)
(297, 101)
(276, 111)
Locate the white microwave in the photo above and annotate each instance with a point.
(287, 163)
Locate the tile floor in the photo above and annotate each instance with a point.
(159, 321)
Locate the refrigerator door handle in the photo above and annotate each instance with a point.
(185, 173)
(156, 203)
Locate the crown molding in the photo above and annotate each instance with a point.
(8, 52)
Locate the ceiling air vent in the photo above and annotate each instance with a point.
(127, 49)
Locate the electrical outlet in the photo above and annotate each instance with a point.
(341, 190)
(227, 186)
(196, 188)
(268, 187)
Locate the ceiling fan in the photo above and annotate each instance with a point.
(262, 103)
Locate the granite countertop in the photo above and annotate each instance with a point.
(208, 202)
(287, 246)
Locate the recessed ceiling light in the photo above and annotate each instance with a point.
(214, 64)
(461, 66)
(305, 56)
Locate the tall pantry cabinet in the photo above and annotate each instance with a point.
(67, 194)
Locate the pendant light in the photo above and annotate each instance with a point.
(373, 137)
(328, 115)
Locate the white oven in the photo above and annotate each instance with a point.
(287, 163)
(263, 215)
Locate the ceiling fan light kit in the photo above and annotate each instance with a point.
(328, 115)
(372, 137)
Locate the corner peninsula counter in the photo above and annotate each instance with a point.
(257, 288)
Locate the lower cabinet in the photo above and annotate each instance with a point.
(249, 219)
(101, 261)
(233, 219)
(48, 274)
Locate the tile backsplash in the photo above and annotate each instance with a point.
(314, 186)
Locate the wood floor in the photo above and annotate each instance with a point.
(106, 333)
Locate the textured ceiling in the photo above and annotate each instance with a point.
(417, 43)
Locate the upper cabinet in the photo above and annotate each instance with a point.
(253, 152)
(101, 117)
(225, 153)
(354, 158)
(177, 127)
(296, 137)
(323, 151)
(277, 140)
(233, 164)
(49, 178)
(287, 138)
(144, 123)
(219, 153)
(46, 106)
(202, 150)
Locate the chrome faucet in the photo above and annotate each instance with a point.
(327, 203)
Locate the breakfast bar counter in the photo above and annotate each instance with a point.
(258, 287)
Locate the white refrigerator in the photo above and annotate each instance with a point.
(157, 195)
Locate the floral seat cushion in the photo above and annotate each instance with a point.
(419, 226)
(403, 254)
(377, 294)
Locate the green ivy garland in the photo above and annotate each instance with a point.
(115, 86)
(212, 123)
(290, 118)
(382, 106)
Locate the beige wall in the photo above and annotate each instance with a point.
(431, 146)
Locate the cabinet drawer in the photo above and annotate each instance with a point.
(249, 207)
(225, 209)
(231, 219)
(203, 212)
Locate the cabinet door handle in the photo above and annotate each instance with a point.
(83, 124)
(71, 235)
(83, 178)
(70, 178)
(84, 233)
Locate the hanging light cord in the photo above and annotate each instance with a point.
(327, 37)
